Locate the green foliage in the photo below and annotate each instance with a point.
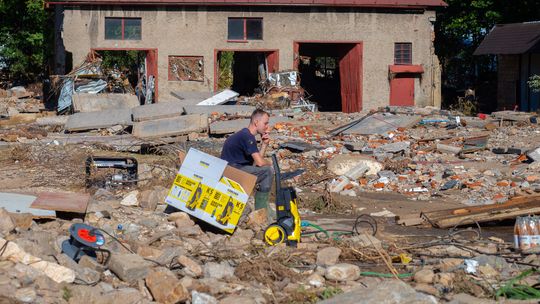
(308, 296)
(225, 79)
(66, 293)
(22, 37)
(462, 26)
(534, 83)
(330, 292)
(121, 59)
(514, 290)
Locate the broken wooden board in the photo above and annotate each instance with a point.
(157, 111)
(513, 116)
(486, 213)
(66, 202)
(20, 203)
(410, 220)
(174, 126)
(86, 102)
(98, 120)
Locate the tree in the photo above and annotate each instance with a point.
(462, 26)
(22, 38)
(534, 83)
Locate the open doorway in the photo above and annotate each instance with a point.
(331, 73)
(243, 71)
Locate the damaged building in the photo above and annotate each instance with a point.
(350, 55)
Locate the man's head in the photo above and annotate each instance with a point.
(259, 121)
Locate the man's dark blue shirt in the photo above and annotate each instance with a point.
(238, 148)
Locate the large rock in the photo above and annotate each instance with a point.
(130, 199)
(234, 299)
(129, 267)
(191, 267)
(148, 200)
(6, 223)
(202, 298)
(343, 163)
(388, 292)
(343, 272)
(165, 287)
(328, 256)
(218, 271)
(424, 276)
(121, 296)
(54, 271)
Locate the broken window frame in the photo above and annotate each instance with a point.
(245, 28)
(123, 28)
(403, 53)
(171, 77)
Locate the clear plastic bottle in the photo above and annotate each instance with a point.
(535, 233)
(516, 233)
(524, 234)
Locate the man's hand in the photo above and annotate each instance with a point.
(265, 138)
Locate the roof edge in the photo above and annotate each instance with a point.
(242, 3)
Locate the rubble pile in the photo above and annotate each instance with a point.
(170, 258)
(421, 158)
(18, 100)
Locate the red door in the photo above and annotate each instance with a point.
(350, 78)
(402, 90)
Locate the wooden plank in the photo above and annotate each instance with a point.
(477, 209)
(469, 215)
(67, 202)
(486, 217)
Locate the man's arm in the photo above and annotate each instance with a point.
(259, 161)
(258, 158)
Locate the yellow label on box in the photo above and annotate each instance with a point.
(183, 188)
(229, 182)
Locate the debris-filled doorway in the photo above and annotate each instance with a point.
(131, 72)
(331, 74)
(244, 71)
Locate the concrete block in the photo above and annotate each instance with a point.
(241, 110)
(448, 149)
(86, 102)
(158, 111)
(181, 125)
(188, 97)
(129, 267)
(98, 120)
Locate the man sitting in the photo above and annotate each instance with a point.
(240, 151)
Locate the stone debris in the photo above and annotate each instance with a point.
(359, 176)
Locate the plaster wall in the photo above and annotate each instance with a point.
(200, 31)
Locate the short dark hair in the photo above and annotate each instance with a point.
(257, 113)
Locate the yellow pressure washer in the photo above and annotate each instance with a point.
(287, 227)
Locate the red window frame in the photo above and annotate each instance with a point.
(123, 19)
(400, 49)
(245, 28)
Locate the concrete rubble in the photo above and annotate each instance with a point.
(415, 161)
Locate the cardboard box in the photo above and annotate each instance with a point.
(206, 166)
(218, 201)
